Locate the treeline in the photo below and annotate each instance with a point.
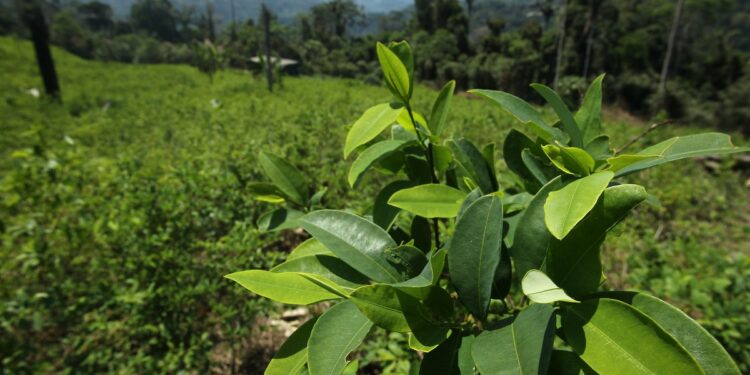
(687, 58)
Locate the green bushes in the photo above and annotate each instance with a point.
(148, 136)
(513, 284)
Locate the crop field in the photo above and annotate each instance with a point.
(122, 208)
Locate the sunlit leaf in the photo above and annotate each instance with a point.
(541, 289)
(430, 200)
(373, 122)
(615, 338)
(566, 207)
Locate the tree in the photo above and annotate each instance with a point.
(33, 17)
(156, 17)
(593, 9)
(334, 19)
(560, 44)
(97, 16)
(423, 12)
(670, 47)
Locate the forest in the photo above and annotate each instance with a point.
(191, 150)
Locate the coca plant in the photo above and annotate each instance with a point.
(483, 275)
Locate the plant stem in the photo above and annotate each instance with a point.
(648, 130)
(433, 176)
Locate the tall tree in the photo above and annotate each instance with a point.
(156, 17)
(96, 15)
(210, 28)
(670, 47)
(593, 10)
(560, 43)
(425, 15)
(335, 18)
(33, 16)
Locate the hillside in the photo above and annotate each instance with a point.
(286, 10)
(123, 207)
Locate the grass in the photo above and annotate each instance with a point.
(123, 207)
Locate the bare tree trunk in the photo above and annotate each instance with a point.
(590, 27)
(560, 43)
(266, 18)
(32, 14)
(670, 48)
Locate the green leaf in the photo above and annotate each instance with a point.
(541, 172)
(471, 159)
(563, 113)
(452, 357)
(310, 247)
(684, 147)
(383, 214)
(265, 192)
(503, 279)
(396, 76)
(566, 362)
(328, 266)
(403, 50)
(351, 368)
(380, 304)
(442, 156)
(589, 116)
(571, 160)
(414, 344)
(286, 177)
(429, 200)
(337, 333)
(428, 317)
(373, 122)
(525, 113)
(566, 207)
(599, 148)
(704, 348)
(614, 338)
(440, 108)
(523, 347)
(356, 241)
(292, 288)
(421, 233)
(292, 355)
(515, 143)
(474, 253)
(370, 157)
(408, 259)
(417, 169)
(279, 219)
(430, 273)
(531, 239)
(573, 263)
(622, 161)
(541, 289)
(405, 121)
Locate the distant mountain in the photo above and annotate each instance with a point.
(285, 10)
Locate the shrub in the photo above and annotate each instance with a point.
(478, 275)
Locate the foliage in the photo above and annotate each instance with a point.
(448, 284)
(161, 165)
(209, 58)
